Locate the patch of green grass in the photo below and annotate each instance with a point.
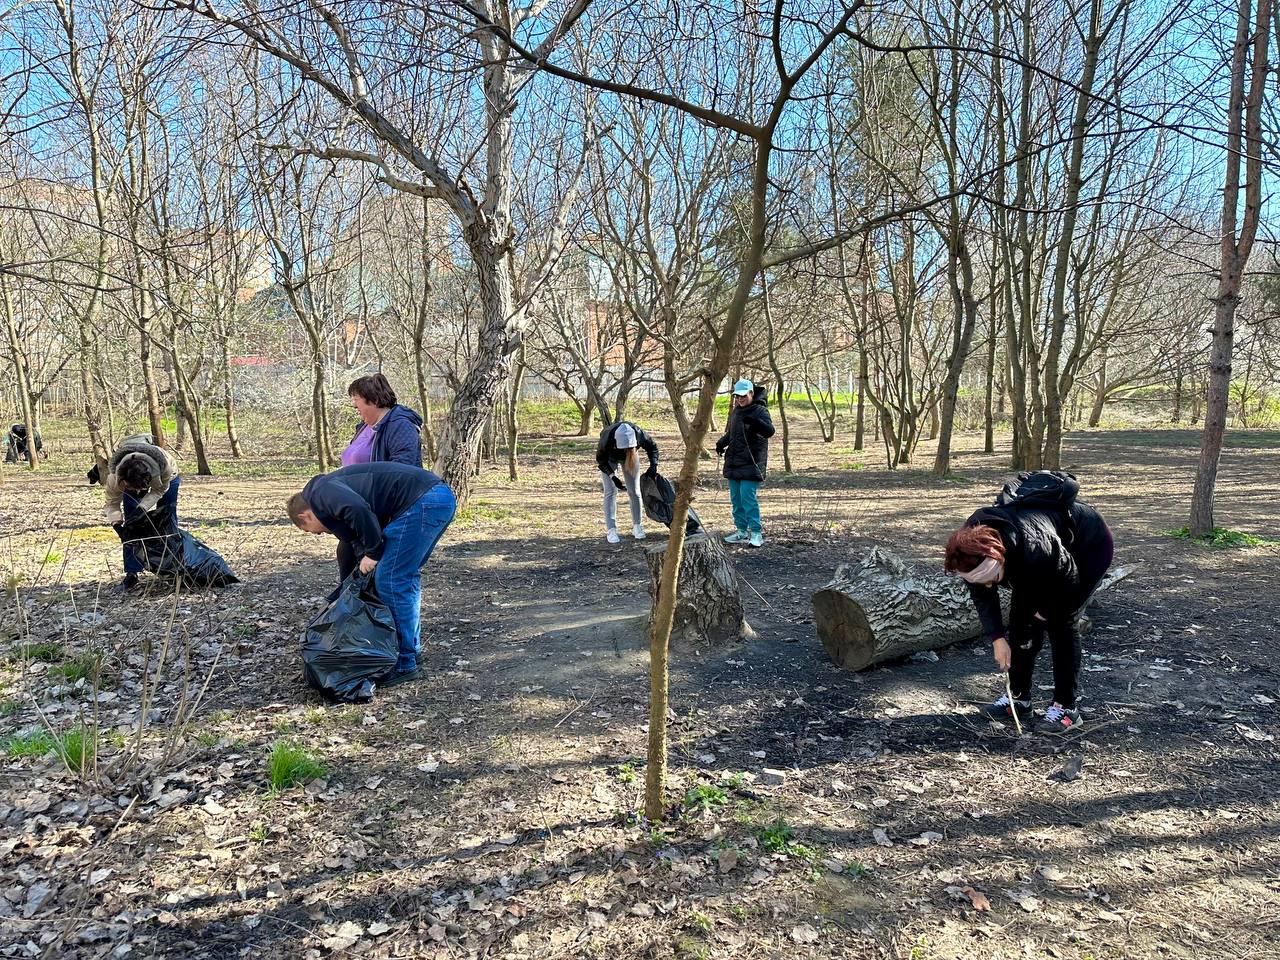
(775, 837)
(10, 707)
(778, 837)
(687, 948)
(35, 743)
(625, 773)
(703, 798)
(1221, 538)
(734, 781)
(51, 558)
(258, 832)
(93, 535)
(701, 921)
(45, 652)
(78, 747)
(480, 512)
(290, 765)
(85, 666)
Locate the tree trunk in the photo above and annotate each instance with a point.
(155, 414)
(1177, 399)
(229, 390)
(708, 607)
(588, 415)
(1054, 388)
(964, 322)
(860, 429)
(780, 387)
(513, 417)
(320, 420)
(675, 392)
(989, 426)
(424, 393)
(459, 454)
(881, 607)
(1100, 389)
(1246, 114)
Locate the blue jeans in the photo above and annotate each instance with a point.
(129, 507)
(410, 538)
(746, 508)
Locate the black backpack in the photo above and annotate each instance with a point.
(1042, 490)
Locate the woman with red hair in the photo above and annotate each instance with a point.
(1051, 557)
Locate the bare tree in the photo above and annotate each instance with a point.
(1249, 68)
(378, 116)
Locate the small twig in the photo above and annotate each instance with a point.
(1013, 706)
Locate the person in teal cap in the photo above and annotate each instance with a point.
(745, 446)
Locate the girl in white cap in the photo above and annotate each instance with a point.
(617, 447)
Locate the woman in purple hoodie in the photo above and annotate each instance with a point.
(388, 433)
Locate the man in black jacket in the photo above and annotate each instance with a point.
(745, 446)
(1052, 559)
(392, 515)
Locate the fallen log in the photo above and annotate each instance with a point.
(708, 601)
(882, 607)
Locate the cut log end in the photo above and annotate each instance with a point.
(843, 629)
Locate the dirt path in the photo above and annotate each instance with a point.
(490, 810)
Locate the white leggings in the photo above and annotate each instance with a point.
(632, 480)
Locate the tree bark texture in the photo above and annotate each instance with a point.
(708, 607)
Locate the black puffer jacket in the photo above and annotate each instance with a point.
(1052, 563)
(745, 443)
(609, 457)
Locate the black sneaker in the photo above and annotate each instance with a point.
(130, 582)
(1000, 710)
(1058, 719)
(404, 676)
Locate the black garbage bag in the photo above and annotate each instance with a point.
(167, 551)
(658, 496)
(351, 643)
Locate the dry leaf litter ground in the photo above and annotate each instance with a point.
(490, 810)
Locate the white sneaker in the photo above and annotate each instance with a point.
(738, 536)
(757, 539)
(612, 536)
(638, 532)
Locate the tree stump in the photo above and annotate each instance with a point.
(708, 601)
(883, 607)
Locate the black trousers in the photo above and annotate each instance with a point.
(1064, 649)
(1026, 639)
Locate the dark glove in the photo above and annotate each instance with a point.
(617, 483)
(720, 445)
(652, 471)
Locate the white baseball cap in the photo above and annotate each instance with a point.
(625, 436)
